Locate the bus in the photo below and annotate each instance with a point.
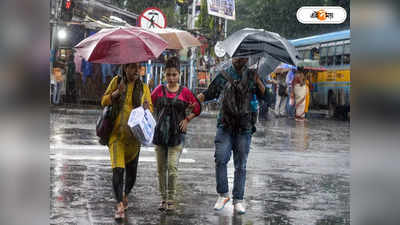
(331, 88)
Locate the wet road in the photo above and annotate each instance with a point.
(297, 174)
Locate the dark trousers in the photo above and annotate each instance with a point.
(130, 178)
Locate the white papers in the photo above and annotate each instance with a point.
(142, 125)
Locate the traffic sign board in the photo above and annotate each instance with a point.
(152, 19)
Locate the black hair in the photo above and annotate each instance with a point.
(173, 62)
(123, 68)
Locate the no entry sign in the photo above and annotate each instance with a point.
(152, 19)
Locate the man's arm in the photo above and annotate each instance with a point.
(259, 84)
(214, 90)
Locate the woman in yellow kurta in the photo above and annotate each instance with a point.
(124, 148)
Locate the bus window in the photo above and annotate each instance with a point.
(346, 59)
(331, 55)
(339, 53)
(307, 54)
(322, 55)
(301, 53)
(346, 54)
(322, 60)
(324, 51)
(314, 52)
(338, 60)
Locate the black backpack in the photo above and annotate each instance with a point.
(235, 105)
(167, 131)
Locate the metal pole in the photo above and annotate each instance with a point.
(149, 71)
(226, 26)
(219, 26)
(53, 34)
(192, 56)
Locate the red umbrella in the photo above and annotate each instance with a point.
(121, 46)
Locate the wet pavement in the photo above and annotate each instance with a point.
(298, 173)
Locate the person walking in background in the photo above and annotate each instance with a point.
(235, 126)
(281, 95)
(290, 109)
(58, 79)
(125, 94)
(299, 94)
(70, 78)
(274, 82)
(171, 102)
(265, 104)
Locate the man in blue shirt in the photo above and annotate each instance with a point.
(228, 140)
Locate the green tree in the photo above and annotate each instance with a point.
(207, 25)
(205, 22)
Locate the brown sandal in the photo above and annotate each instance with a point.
(163, 206)
(125, 202)
(120, 213)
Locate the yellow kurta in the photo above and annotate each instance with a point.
(123, 145)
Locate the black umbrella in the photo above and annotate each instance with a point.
(250, 42)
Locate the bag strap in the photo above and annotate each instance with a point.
(177, 94)
(226, 76)
(163, 90)
(230, 79)
(245, 76)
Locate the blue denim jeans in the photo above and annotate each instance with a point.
(57, 93)
(225, 144)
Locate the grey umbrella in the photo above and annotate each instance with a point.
(250, 42)
(264, 64)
